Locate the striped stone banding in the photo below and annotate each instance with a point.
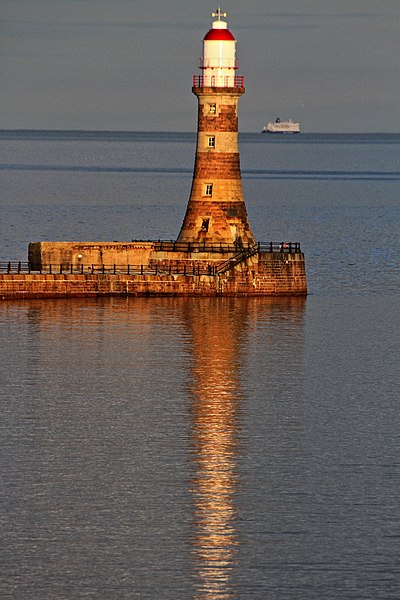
(222, 165)
(224, 141)
(226, 120)
(224, 190)
(216, 210)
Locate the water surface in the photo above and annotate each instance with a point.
(203, 448)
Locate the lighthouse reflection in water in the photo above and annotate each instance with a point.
(216, 405)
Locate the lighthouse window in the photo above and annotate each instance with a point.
(211, 141)
(212, 109)
(208, 190)
(205, 224)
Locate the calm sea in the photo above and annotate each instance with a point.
(203, 449)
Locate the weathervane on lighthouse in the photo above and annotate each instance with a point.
(218, 13)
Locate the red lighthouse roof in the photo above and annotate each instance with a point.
(219, 31)
(219, 35)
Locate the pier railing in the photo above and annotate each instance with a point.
(288, 247)
(164, 268)
(189, 247)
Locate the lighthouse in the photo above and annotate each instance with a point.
(215, 253)
(216, 211)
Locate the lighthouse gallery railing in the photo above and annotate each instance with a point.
(203, 81)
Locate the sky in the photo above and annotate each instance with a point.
(127, 65)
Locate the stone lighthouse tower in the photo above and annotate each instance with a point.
(216, 212)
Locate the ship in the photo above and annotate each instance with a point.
(279, 126)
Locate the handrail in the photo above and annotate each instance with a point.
(189, 268)
(288, 247)
(231, 81)
(238, 258)
(190, 247)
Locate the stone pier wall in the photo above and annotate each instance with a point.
(273, 275)
(43, 254)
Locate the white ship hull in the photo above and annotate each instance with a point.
(279, 126)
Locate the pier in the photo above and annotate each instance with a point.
(273, 269)
(215, 252)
